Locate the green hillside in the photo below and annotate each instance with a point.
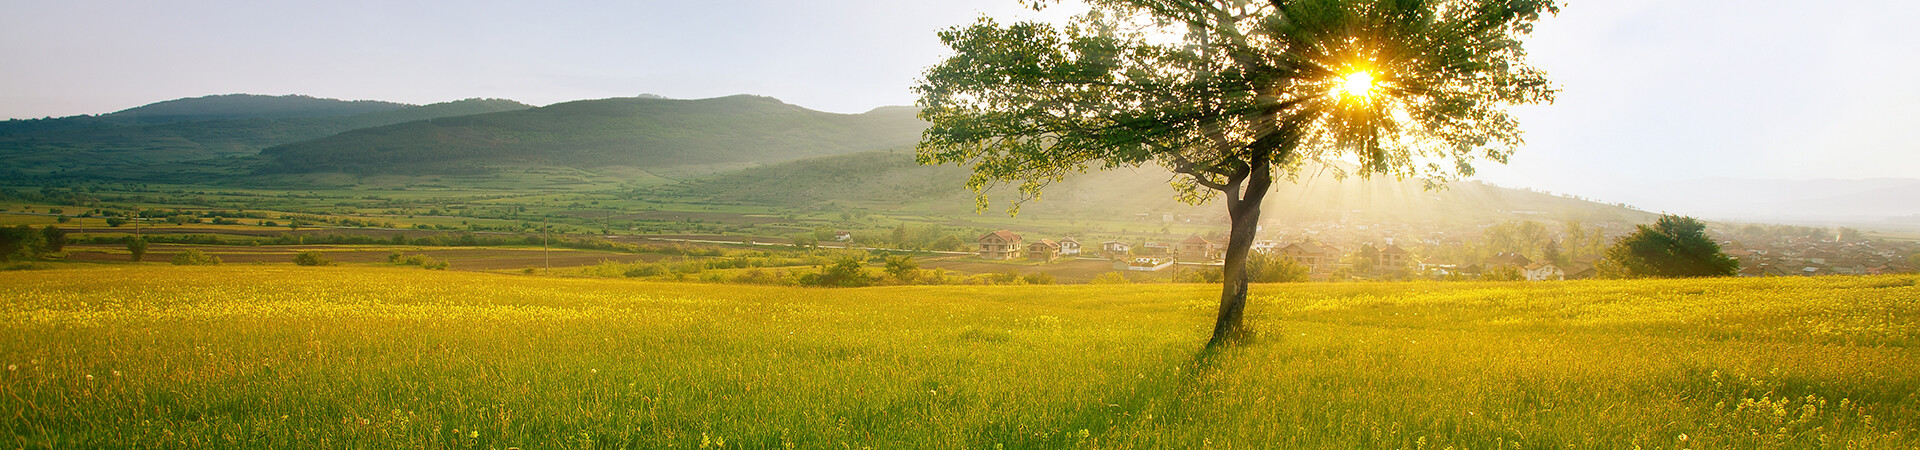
(893, 181)
(208, 108)
(657, 135)
(95, 142)
(246, 106)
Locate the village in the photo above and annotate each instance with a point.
(1341, 250)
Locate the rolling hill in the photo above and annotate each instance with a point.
(891, 180)
(651, 134)
(234, 126)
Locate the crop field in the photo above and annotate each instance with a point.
(374, 357)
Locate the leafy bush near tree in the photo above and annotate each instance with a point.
(311, 258)
(193, 257)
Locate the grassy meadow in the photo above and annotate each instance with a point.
(373, 357)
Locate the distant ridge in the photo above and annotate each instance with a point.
(252, 123)
(654, 134)
(248, 106)
(892, 180)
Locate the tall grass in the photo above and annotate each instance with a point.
(367, 357)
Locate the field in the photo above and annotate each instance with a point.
(371, 357)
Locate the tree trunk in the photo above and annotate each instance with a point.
(1230, 328)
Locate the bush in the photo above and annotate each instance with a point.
(1110, 278)
(1503, 273)
(311, 258)
(903, 269)
(645, 270)
(437, 264)
(193, 257)
(138, 248)
(1267, 268)
(846, 272)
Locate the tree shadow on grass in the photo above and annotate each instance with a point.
(1172, 397)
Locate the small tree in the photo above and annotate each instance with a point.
(53, 239)
(1503, 273)
(311, 258)
(192, 257)
(1110, 278)
(19, 242)
(844, 272)
(1673, 247)
(138, 248)
(903, 268)
(1269, 268)
(949, 243)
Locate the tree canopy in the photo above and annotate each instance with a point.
(1673, 247)
(1220, 90)
(1232, 95)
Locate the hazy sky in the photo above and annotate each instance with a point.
(1654, 90)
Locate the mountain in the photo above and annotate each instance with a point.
(245, 125)
(891, 180)
(208, 108)
(652, 134)
(246, 106)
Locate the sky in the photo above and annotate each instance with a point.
(1656, 95)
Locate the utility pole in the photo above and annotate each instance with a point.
(544, 251)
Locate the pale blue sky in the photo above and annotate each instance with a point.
(1654, 90)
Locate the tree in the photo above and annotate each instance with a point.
(1673, 247)
(138, 248)
(192, 257)
(903, 268)
(312, 258)
(1269, 268)
(19, 242)
(844, 272)
(1233, 95)
(53, 239)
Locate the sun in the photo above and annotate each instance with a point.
(1358, 84)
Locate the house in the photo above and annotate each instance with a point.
(1156, 249)
(1508, 259)
(1582, 272)
(1306, 254)
(1393, 256)
(1045, 250)
(1544, 271)
(1196, 248)
(843, 236)
(1115, 248)
(1069, 247)
(1268, 247)
(1001, 244)
(1142, 264)
(1762, 270)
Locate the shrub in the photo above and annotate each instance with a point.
(1110, 278)
(645, 270)
(1268, 268)
(436, 264)
(193, 257)
(1503, 273)
(138, 248)
(395, 257)
(311, 258)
